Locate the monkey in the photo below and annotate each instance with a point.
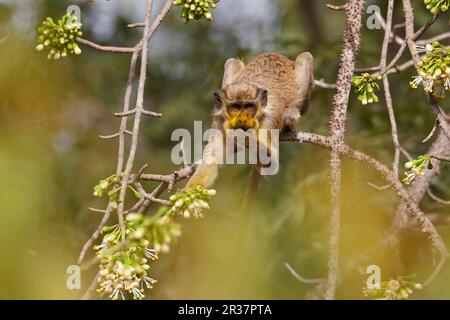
(270, 92)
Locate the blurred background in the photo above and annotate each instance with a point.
(51, 113)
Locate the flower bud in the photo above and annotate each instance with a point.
(179, 203)
(409, 165)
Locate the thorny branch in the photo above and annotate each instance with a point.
(411, 197)
(439, 149)
(351, 39)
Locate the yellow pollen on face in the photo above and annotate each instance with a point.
(241, 117)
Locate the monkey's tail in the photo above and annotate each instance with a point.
(250, 191)
(242, 229)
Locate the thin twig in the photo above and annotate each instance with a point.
(431, 134)
(440, 37)
(440, 158)
(137, 117)
(437, 199)
(105, 48)
(382, 188)
(387, 92)
(136, 25)
(337, 7)
(96, 234)
(300, 278)
(322, 84)
(88, 294)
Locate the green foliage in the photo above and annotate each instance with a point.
(437, 5)
(191, 202)
(196, 9)
(366, 86)
(417, 167)
(111, 186)
(394, 289)
(125, 270)
(60, 38)
(434, 69)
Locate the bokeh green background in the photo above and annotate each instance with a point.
(51, 114)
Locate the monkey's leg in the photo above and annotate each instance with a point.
(304, 65)
(233, 67)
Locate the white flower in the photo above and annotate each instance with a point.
(115, 294)
(148, 282)
(416, 81)
(421, 48)
(137, 293)
(428, 85)
(151, 253)
(203, 204)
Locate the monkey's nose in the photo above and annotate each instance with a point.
(242, 126)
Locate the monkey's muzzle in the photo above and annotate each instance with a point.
(243, 121)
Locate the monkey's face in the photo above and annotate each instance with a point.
(242, 116)
(241, 105)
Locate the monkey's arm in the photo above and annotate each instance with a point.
(304, 73)
(233, 67)
(208, 170)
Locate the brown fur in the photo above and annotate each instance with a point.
(278, 75)
(278, 87)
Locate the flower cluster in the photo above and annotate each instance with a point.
(366, 85)
(111, 186)
(125, 270)
(191, 202)
(196, 9)
(417, 167)
(159, 230)
(434, 69)
(394, 289)
(437, 5)
(60, 37)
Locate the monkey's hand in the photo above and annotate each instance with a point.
(204, 176)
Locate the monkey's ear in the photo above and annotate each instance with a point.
(262, 97)
(218, 99)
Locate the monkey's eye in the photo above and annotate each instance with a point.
(235, 106)
(249, 106)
